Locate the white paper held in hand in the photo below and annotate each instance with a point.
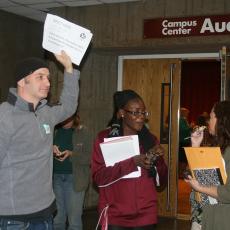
(117, 149)
(60, 34)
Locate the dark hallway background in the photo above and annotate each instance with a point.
(200, 86)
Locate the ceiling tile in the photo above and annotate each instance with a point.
(6, 3)
(118, 1)
(26, 2)
(45, 6)
(18, 10)
(76, 1)
(36, 9)
(81, 3)
(29, 13)
(38, 17)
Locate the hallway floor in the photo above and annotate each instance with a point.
(90, 219)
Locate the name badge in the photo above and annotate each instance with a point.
(47, 128)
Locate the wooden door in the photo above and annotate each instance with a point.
(225, 73)
(146, 77)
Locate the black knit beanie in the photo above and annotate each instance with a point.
(27, 66)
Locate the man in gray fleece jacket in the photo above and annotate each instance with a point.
(26, 139)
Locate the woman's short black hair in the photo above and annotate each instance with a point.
(121, 98)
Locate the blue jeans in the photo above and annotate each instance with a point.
(69, 203)
(7, 224)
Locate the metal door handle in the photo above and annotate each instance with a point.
(172, 66)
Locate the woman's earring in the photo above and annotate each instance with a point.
(122, 115)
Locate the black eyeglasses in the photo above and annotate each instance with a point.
(137, 113)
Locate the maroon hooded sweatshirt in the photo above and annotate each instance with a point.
(131, 202)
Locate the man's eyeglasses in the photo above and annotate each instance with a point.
(137, 113)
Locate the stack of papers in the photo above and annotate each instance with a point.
(60, 34)
(117, 149)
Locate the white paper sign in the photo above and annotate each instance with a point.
(116, 149)
(60, 34)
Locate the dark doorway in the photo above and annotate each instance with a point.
(200, 86)
(200, 89)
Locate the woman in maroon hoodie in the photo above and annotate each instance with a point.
(129, 203)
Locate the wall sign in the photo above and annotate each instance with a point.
(186, 26)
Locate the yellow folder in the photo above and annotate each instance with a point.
(206, 158)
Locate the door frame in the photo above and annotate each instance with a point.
(188, 56)
(185, 56)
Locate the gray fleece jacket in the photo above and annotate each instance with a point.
(26, 140)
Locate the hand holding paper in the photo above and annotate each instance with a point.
(142, 161)
(60, 34)
(65, 60)
(121, 148)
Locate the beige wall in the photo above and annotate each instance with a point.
(118, 30)
(120, 26)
